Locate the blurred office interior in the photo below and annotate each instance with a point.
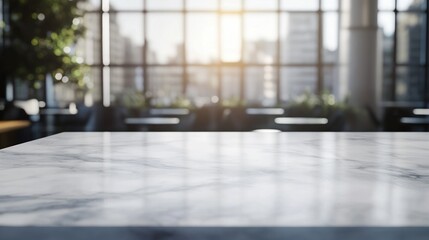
(212, 65)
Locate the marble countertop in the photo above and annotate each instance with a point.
(211, 185)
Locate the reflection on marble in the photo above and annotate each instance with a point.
(280, 183)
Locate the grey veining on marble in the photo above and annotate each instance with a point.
(217, 180)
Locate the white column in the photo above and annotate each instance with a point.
(359, 57)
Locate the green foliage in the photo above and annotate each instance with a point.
(322, 105)
(182, 102)
(233, 102)
(43, 35)
(133, 99)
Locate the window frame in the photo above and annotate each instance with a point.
(395, 64)
(320, 64)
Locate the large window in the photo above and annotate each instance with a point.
(261, 52)
(404, 38)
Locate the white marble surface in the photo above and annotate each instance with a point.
(217, 180)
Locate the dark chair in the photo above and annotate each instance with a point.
(11, 112)
(9, 138)
(106, 119)
(207, 118)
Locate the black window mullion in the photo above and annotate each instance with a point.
(219, 52)
(426, 71)
(1, 20)
(184, 66)
(145, 52)
(101, 12)
(242, 83)
(319, 49)
(278, 69)
(394, 60)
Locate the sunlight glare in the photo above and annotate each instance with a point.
(231, 44)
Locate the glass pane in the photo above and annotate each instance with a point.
(93, 82)
(296, 81)
(165, 42)
(261, 86)
(330, 80)
(387, 82)
(260, 4)
(231, 86)
(230, 5)
(404, 5)
(24, 90)
(126, 40)
(66, 93)
(260, 36)
(411, 37)
(164, 4)
(386, 5)
(202, 44)
(299, 38)
(300, 5)
(202, 85)
(330, 37)
(231, 38)
(126, 86)
(89, 47)
(409, 84)
(126, 5)
(330, 5)
(201, 5)
(386, 22)
(165, 85)
(90, 5)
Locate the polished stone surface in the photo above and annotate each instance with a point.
(374, 183)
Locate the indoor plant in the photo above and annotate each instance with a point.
(40, 38)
